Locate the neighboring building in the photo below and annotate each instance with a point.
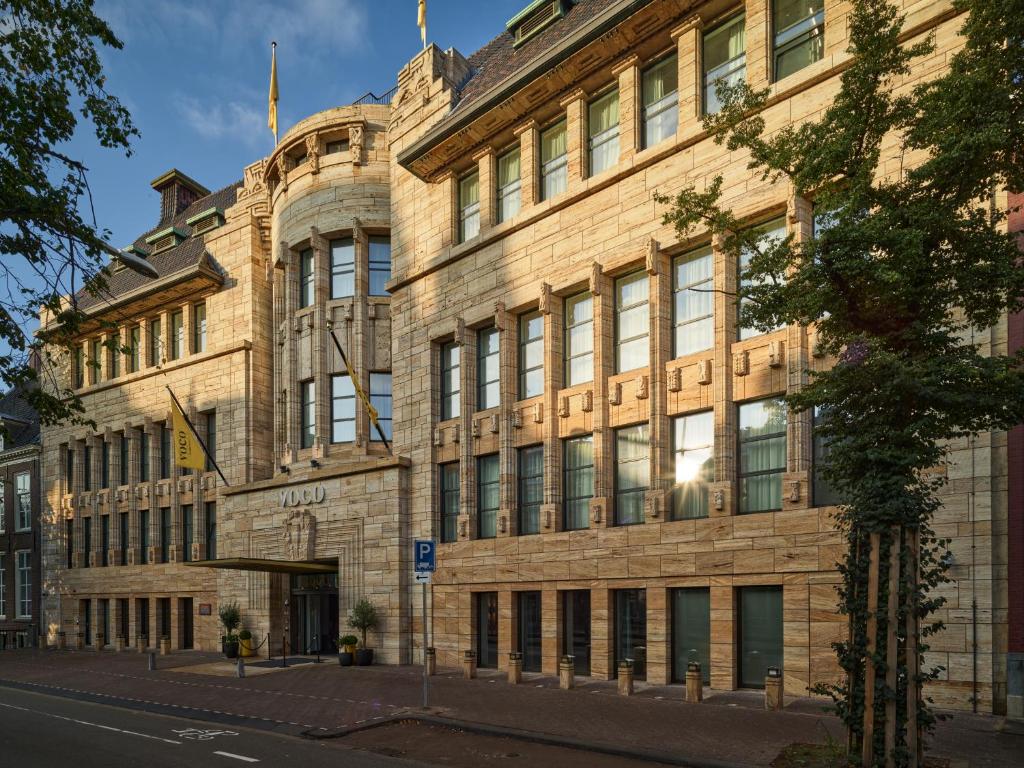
(19, 522)
(604, 453)
(1015, 522)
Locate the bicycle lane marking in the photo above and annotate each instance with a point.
(90, 725)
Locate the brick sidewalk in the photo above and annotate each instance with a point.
(728, 727)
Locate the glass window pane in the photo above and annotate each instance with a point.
(632, 322)
(449, 502)
(769, 233)
(488, 369)
(488, 496)
(762, 454)
(343, 409)
(724, 59)
(691, 631)
(531, 488)
(578, 466)
(380, 264)
(632, 473)
(450, 381)
(693, 441)
(380, 399)
(631, 630)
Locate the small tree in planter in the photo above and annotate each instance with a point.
(363, 617)
(231, 618)
(347, 649)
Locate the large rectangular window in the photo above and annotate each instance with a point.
(78, 368)
(87, 468)
(165, 535)
(531, 488)
(531, 355)
(343, 268)
(177, 335)
(660, 94)
(134, 348)
(554, 162)
(509, 185)
(488, 495)
(450, 380)
(186, 533)
(105, 540)
(86, 541)
(768, 234)
(306, 278)
(631, 630)
(762, 454)
(632, 323)
(144, 452)
(529, 616)
(693, 306)
(579, 339)
(125, 460)
(488, 369)
(724, 59)
(380, 264)
(449, 475)
(486, 609)
(603, 132)
(578, 480)
(115, 355)
(122, 531)
(211, 439)
(165, 451)
(469, 207)
(760, 634)
(380, 399)
(199, 328)
(691, 631)
(211, 530)
(104, 464)
(96, 360)
(156, 343)
(23, 583)
(822, 491)
(343, 409)
(693, 442)
(798, 28)
(22, 502)
(3, 587)
(143, 536)
(69, 539)
(308, 410)
(632, 473)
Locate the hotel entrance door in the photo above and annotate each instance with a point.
(314, 613)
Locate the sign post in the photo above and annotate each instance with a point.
(424, 556)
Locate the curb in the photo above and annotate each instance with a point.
(482, 729)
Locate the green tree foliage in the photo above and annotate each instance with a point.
(363, 617)
(906, 274)
(51, 78)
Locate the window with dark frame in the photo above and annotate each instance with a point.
(115, 355)
(469, 206)
(693, 305)
(144, 536)
(308, 410)
(186, 533)
(488, 369)
(632, 473)
(554, 161)
(509, 185)
(762, 454)
(135, 349)
(104, 540)
(579, 339)
(450, 380)
(488, 494)
(823, 493)
(798, 35)
(211, 530)
(123, 470)
(199, 328)
(632, 322)
(381, 400)
(693, 443)
(343, 268)
(603, 132)
(768, 234)
(531, 355)
(156, 343)
(724, 59)
(177, 335)
(165, 535)
(449, 477)
(306, 278)
(144, 457)
(578, 481)
(659, 88)
(380, 264)
(165, 451)
(343, 409)
(531, 488)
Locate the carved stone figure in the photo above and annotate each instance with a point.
(300, 535)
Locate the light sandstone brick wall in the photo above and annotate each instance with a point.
(602, 228)
(223, 378)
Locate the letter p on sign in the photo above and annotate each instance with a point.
(424, 555)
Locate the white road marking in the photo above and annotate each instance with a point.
(237, 757)
(91, 725)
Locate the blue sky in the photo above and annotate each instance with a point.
(194, 74)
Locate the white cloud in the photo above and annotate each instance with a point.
(233, 119)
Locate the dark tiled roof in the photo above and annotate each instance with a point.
(500, 58)
(15, 409)
(184, 255)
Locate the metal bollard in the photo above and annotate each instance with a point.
(469, 665)
(694, 683)
(431, 662)
(241, 667)
(626, 677)
(515, 668)
(152, 661)
(567, 673)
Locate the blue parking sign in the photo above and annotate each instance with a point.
(423, 555)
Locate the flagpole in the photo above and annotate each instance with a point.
(273, 75)
(358, 387)
(195, 434)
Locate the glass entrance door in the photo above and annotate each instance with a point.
(314, 614)
(631, 630)
(760, 633)
(487, 629)
(529, 630)
(185, 615)
(576, 628)
(691, 631)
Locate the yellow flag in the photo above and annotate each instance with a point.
(421, 21)
(362, 395)
(272, 109)
(187, 450)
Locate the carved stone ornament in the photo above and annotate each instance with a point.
(615, 394)
(456, 433)
(675, 380)
(719, 497)
(313, 153)
(776, 353)
(704, 369)
(588, 400)
(517, 419)
(595, 279)
(254, 178)
(651, 506)
(502, 523)
(595, 511)
(463, 528)
(460, 331)
(282, 170)
(794, 490)
(741, 363)
(355, 143)
(643, 387)
(563, 406)
(817, 348)
(538, 413)
(545, 299)
(438, 436)
(300, 535)
(476, 428)
(651, 256)
(494, 422)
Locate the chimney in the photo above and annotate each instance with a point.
(177, 192)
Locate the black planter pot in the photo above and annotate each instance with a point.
(231, 650)
(345, 659)
(364, 657)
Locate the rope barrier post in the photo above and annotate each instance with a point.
(270, 648)
(152, 661)
(241, 667)
(318, 648)
(284, 652)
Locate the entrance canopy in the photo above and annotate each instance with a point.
(265, 566)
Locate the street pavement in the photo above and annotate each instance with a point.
(41, 731)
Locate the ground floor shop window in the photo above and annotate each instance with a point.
(487, 629)
(576, 628)
(85, 618)
(142, 618)
(529, 630)
(631, 630)
(691, 631)
(760, 633)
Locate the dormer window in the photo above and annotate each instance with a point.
(535, 17)
(204, 221)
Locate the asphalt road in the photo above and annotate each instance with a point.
(39, 731)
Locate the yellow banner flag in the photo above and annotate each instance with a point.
(421, 21)
(272, 107)
(187, 450)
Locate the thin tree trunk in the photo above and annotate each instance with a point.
(891, 655)
(867, 748)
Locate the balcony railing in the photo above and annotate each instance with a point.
(371, 98)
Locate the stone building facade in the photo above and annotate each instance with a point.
(604, 454)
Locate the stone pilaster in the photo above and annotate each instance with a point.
(758, 38)
(660, 279)
(487, 168)
(323, 347)
(603, 290)
(529, 155)
(553, 310)
(508, 347)
(722, 501)
(628, 74)
(688, 49)
(467, 462)
(575, 105)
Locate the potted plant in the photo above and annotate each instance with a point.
(230, 618)
(245, 643)
(347, 646)
(363, 617)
